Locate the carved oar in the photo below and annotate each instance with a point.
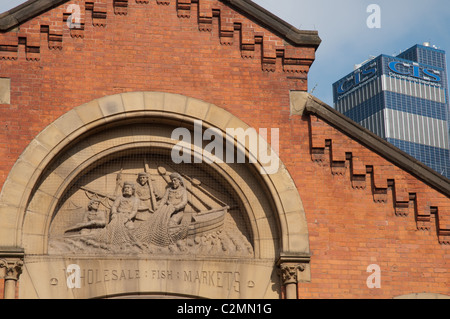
(113, 198)
(198, 185)
(150, 185)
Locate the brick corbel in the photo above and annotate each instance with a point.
(226, 28)
(205, 16)
(442, 225)
(184, 8)
(120, 7)
(31, 46)
(297, 60)
(163, 2)
(99, 13)
(54, 38)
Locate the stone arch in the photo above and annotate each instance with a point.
(20, 228)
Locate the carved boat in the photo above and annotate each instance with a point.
(204, 222)
(201, 223)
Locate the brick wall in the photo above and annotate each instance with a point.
(360, 209)
(148, 49)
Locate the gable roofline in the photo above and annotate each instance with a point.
(276, 24)
(26, 11)
(308, 104)
(32, 8)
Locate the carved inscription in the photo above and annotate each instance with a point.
(229, 280)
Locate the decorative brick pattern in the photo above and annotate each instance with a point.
(386, 183)
(209, 14)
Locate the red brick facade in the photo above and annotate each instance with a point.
(361, 209)
(148, 49)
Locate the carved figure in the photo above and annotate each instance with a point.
(169, 213)
(143, 192)
(123, 212)
(187, 219)
(93, 219)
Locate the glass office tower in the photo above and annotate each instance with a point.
(403, 99)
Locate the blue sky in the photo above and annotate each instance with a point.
(346, 38)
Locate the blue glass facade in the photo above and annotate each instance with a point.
(403, 99)
(430, 156)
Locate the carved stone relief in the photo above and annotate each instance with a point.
(144, 204)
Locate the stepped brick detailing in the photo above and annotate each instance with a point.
(99, 12)
(386, 182)
(444, 227)
(227, 28)
(205, 15)
(184, 8)
(54, 39)
(78, 30)
(232, 27)
(32, 46)
(121, 7)
(9, 47)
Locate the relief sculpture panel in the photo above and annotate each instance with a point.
(143, 204)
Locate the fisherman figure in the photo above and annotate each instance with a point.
(169, 214)
(93, 219)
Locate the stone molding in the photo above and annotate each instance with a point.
(289, 273)
(293, 269)
(292, 266)
(11, 267)
(11, 260)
